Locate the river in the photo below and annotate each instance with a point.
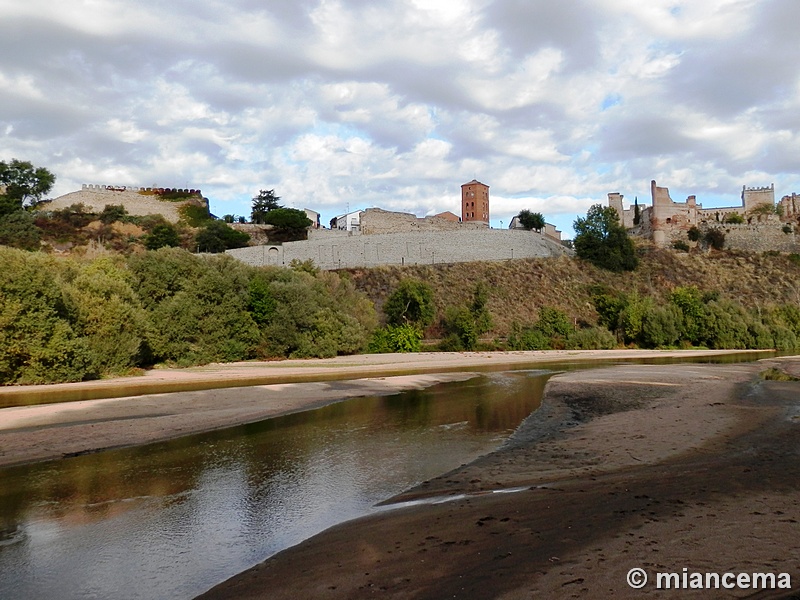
(170, 520)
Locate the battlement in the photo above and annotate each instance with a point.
(766, 188)
(137, 189)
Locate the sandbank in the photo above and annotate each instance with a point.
(64, 420)
(660, 467)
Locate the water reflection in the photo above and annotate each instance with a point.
(170, 520)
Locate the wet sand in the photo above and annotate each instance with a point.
(64, 420)
(661, 467)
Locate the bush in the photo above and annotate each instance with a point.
(528, 339)
(411, 302)
(318, 315)
(787, 229)
(19, 230)
(694, 234)
(464, 324)
(218, 236)
(734, 219)
(109, 315)
(680, 245)
(112, 213)
(196, 215)
(715, 239)
(594, 338)
(197, 306)
(162, 235)
(396, 338)
(36, 334)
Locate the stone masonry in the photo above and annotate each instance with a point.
(97, 197)
(376, 221)
(347, 251)
(666, 221)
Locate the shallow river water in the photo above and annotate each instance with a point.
(170, 520)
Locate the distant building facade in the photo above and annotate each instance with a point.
(475, 202)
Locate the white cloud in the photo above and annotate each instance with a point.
(397, 103)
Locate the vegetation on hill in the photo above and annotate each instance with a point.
(69, 319)
(758, 291)
(602, 240)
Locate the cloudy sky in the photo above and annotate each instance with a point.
(339, 104)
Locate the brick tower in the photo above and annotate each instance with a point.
(475, 202)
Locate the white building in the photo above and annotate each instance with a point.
(348, 222)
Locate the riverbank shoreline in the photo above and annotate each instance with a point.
(252, 373)
(181, 402)
(658, 467)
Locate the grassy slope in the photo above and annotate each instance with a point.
(519, 287)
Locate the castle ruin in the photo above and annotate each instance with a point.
(665, 221)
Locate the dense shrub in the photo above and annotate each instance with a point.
(396, 338)
(198, 306)
(19, 230)
(109, 315)
(411, 302)
(218, 236)
(593, 338)
(163, 235)
(36, 335)
(464, 324)
(715, 238)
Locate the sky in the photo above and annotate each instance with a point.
(348, 104)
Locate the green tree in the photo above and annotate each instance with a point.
(162, 235)
(287, 218)
(18, 230)
(600, 239)
(411, 302)
(464, 324)
(265, 202)
(113, 213)
(24, 184)
(218, 236)
(531, 220)
(637, 214)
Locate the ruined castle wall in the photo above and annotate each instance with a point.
(752, 197)
(376, 221)
(405, 249)
(761, 237)
(790, 206)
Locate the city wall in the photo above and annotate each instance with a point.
(758, 237)
(376, 221)
(411, 248)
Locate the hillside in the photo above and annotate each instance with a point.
(519, 287)
(136, 201)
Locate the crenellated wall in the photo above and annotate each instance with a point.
(137, 201)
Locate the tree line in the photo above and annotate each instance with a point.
(69, 319)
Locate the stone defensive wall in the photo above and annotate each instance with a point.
(758, 237)
(349, 251)
(376, 221)
(97, 197)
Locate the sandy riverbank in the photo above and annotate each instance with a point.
(653, 466)
(167, 403)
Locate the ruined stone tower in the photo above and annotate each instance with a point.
(475, 202)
